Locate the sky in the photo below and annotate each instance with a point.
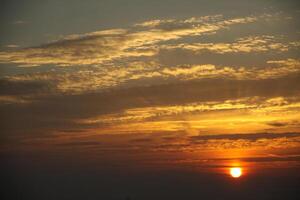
(116, 99)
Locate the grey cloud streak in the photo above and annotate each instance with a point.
(249, 136)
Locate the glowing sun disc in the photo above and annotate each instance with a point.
(236, 172)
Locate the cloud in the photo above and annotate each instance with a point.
(142, 140)
(240, 142)
(18, 22)
(139, 73)
(7, 99)
(58, 111)
(281, 68)
(243, 115)
(24, 87)
(12, 46)
(248, 44)
(284, 123)
(249, 136)
(168, 24)
(24, 91)
(226, 142)
(226, 162)
(277, 124)
(121, 58)
(257, 141)
(80, 143)
(116, 84)
(141, 114)
(105, 46)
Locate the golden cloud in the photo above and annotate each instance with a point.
(135, 73)
(242, 45)
(105, 46)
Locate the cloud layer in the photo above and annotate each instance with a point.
(163, 85)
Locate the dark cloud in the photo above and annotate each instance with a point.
(80, 143)
(248, 136)
(60, 112)
(278, 124)
(272, 158)
(142, 140)
(30, 87)
(72, 131)
(216, 162)
(284, 124)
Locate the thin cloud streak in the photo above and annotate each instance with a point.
(241, 45)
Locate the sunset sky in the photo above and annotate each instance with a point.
(104, 93)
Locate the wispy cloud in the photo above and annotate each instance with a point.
(230, 116)
(130, 57)
(17, 22)
(241, 45)
(137, 73)
(280, 68)
(104, 46)
(12, 46)
(246, 136)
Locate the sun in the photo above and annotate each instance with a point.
(236, 172)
